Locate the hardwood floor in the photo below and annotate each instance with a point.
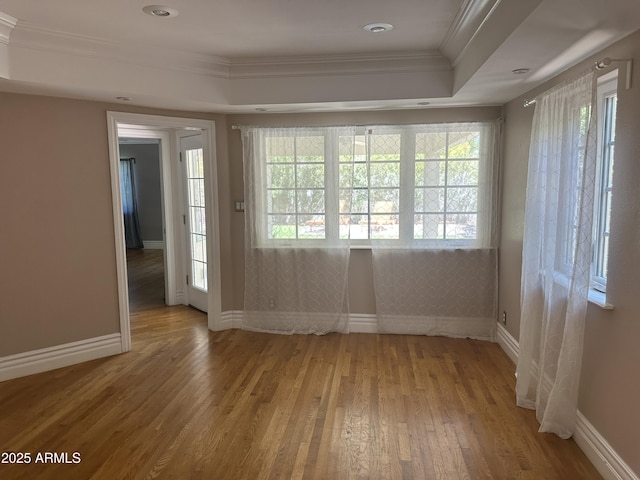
(187, 403)
(145, 272)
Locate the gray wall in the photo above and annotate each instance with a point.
(148, 187)
(610, 382)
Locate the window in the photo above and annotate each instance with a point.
(370, 186)
(446, 185)
(295, 186)
(416, 184)
(606, 108)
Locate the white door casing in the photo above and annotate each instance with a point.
(141, 122)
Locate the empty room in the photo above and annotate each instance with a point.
(320, 240)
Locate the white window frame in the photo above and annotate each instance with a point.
(406, 194)
(606, 89)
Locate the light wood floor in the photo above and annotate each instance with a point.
(187, 403)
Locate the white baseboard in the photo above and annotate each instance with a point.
(507, 342)
(358, 322)
(45, 359)
(600, 453)
(230, 319)
(153, 244)
(363, 323)
(596, 448)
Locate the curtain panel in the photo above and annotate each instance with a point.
(295, 266)
(441, 279)
(557, 253)
(133, 238)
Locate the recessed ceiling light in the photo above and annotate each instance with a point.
(378, 27)
(160, 11)
(124, 99)
(520, 71)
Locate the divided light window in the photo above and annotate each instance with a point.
(607, 105)
(412, 184)
(446, 185)
(295, 187)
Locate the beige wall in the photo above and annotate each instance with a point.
(57, 251)
(610, 383)
(361, 295)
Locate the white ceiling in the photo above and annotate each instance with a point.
(300, 55)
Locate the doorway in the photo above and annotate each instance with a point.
(170, 130)
(140, 160)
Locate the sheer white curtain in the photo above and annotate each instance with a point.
(438, 274)
(557, 254)
(295, 263)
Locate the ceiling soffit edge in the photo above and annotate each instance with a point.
(467, 22)
(7, 24)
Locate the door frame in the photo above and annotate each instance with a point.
(171, 180)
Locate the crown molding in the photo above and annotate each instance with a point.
(339, 58)
(466, 24)
(346, 64)
(36, 37)
(7, 24)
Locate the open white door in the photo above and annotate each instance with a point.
(195, 221)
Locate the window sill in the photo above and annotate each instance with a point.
(599, 299)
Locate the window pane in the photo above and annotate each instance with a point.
(196, 192)
(310, 176)
(279, 149)
(430, 174)
(311, 226)
(281, 226)
(431, 145)
(198, 247)
(310, 201)
(428, 226)
(462, 199)
(354, 201)
(429, 200)
(280, 176)
(195, 164)
(197, 220)
(385, 174)
(464, 145)
(353, 175)
(281, 201)
(385, 200)
(384, 147)
(353, 149)
(461, 226)
(310, 149)
(199, 270)
(384, 226)
(354, 226)
(462, 172)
